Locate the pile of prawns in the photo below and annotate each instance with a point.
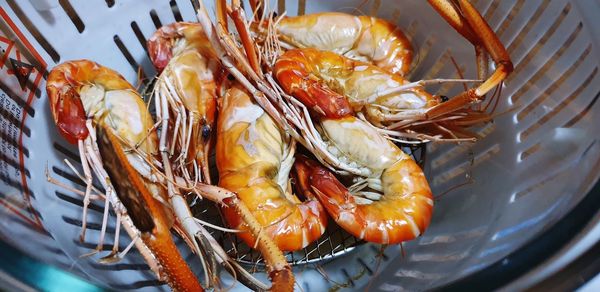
(252, 99)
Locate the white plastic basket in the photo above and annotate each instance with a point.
(533, 167)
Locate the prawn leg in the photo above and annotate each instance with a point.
(478, 33)
(237, 14)
(88, 189)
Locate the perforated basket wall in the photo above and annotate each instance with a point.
(537, 160)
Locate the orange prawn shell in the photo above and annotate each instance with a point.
(189, 67)
(63, 86)
(335, 86)
(365, 38)
(291, 224)
(391, 220)
(162, 43)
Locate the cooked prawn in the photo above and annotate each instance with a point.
(364, 38)
(86, 98)
(189, 69)
(391, 201)
(323, 80)
(186, 46)
(254, 160)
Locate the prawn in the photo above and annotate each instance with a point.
(363, 38)
(96, 108)
(187, 87)
(188, 68)
(324, 81)
(389, 203)
(254, 159)
(334, 86)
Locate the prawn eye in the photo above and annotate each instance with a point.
(444, 98)
(205, 131)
